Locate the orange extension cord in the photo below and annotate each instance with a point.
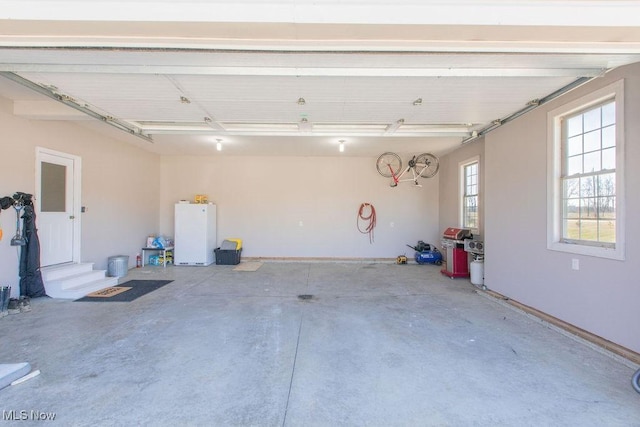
(371, 218)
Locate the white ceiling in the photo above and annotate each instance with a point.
(420, 81)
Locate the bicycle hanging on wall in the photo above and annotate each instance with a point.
(424, 165)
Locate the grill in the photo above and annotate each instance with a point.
(475, 247)
(457, 260)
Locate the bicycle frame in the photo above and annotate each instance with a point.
(424, 165)
(397, 178)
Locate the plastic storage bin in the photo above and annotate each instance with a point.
(238, 243)
(227, 257)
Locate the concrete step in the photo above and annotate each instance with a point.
(78, 291)
(73, 281)
(65, 270)
(76, 280)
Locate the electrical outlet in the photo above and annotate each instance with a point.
(393, 224)
(575, 264)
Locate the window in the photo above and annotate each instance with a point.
(470, 185)
(586, 187)
(589, 176)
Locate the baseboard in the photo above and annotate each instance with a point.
(575, 331)
(321, 259)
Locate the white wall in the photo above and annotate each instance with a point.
(120, 187)
(263, 200)
(603, 296)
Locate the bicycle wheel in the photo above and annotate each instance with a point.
(427, 165)
(389, 164)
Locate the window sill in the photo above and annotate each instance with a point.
(595, 251)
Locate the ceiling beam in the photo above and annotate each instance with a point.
(595, 13)
(302, 71)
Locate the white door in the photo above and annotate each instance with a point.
(55, 207)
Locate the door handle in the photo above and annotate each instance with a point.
(72, 217)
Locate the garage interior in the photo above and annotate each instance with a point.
(277, 111)
(377, 344)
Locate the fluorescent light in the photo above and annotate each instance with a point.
(341, 128)
(256, 127)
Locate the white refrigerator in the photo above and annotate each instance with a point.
(195, 234)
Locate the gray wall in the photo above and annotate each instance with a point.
(120, 187)
(263, 200)
(449, 195)
(601, 297)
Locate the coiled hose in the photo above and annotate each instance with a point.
(635, 381)
(370, 218)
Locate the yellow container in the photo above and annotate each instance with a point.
(238, 243)
(201, 199)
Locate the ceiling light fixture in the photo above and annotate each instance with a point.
(341, 146)
(301, 101)
(219, 144)
(185, 100)
(417, 102)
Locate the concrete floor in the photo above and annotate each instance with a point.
(378, 344)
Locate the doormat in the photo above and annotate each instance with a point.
(135, 289)
(108, 292)
(248, 266)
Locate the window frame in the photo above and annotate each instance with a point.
(555, 240)
(462, 192)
